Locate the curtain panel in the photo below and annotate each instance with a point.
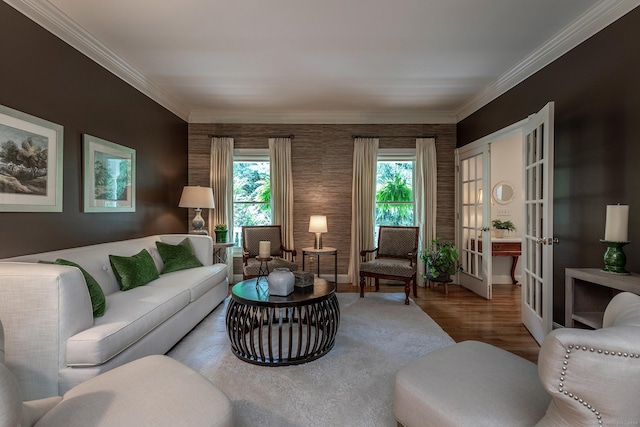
(425, 196)
(363, 197)
(221, 178)
(282, 187)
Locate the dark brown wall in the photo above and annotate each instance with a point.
(596, 89)
(322, 163)
(42, 76)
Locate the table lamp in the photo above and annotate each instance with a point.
(197, 197)
(318, 225)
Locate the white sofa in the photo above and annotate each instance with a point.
(52, 340)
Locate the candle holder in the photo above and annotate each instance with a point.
(614, 257)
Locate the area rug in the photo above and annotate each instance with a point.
(352, 385)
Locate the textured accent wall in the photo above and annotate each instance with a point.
(322, 158)
(45, 77)
(596, 91)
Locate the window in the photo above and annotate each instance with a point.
(251, 190)
(394, 188)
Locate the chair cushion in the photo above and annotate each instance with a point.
(469, 384)
(177, 257)
(253, 265)
(389, 267)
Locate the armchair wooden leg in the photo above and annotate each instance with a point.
(407, 291)
(361, 286)
(415, 286)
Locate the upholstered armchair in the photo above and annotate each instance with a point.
(395, 258)
(152, 391)
(583, 378)
(251, 238)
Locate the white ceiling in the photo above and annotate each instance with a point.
(328, 61)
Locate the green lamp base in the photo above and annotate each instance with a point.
(614, 257)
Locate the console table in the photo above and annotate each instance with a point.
(504, 247)
(588, 291)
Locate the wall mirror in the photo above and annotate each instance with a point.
(503, 193)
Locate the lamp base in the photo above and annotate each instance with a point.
(198, 222)
(614, 257)
(318, 242)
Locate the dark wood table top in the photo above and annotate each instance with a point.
(247, 292)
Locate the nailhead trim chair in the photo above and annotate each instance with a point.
(251, 238)
(395, 259)
(583, 378)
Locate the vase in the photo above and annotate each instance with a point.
(281, 282)
(498, 233)
(221, 236)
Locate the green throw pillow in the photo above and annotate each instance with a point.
(134, 271)
(98, 301)
(177, 257)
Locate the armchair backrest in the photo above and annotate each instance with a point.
(397, 242)
(593, 376)
(254, 234)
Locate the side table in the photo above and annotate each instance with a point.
(220, 252)
(320, 252)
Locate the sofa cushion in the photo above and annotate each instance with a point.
(195, 280)
(131, 316)
(134, 271)
(177, 257)
(98, 301)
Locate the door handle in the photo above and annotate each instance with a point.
(548, 241)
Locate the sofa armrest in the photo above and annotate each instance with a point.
(41, 306)
(592, 376)
(202, 245)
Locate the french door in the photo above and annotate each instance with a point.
(474, 195)
(538, 240)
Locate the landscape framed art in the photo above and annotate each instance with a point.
(30, 163)
(109, 176)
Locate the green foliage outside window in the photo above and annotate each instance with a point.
(394, 194)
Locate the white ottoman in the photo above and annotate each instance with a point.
(469, 384)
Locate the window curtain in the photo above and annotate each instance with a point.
(282, 187)
(363, 197)
(425, 195)
(221, 177)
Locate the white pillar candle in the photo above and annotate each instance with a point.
(265, 249)
(617, 225)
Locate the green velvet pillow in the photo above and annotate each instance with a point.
(134, 271)
(178, 257)
(98, 301)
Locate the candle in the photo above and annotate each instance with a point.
(617, 225)
(265, 249)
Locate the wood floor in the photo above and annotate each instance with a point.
(467, 316)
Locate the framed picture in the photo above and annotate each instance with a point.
(109, 176)
(30, 163)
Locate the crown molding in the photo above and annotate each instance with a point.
(594, 20)
(397, 116)
(53, 20)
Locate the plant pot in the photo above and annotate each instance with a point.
(221, 236)
(498, 233)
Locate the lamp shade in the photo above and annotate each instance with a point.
(318, 224)
(196, 197)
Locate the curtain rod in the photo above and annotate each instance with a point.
(395, 136)
(252, 136)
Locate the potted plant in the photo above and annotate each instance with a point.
(502, 226)
(221, 232)
(441, 260)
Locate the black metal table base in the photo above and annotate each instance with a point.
(277, 336)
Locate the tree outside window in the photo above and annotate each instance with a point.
(251, 196)
(394, 193)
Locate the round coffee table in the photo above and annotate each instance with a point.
(276, 331)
